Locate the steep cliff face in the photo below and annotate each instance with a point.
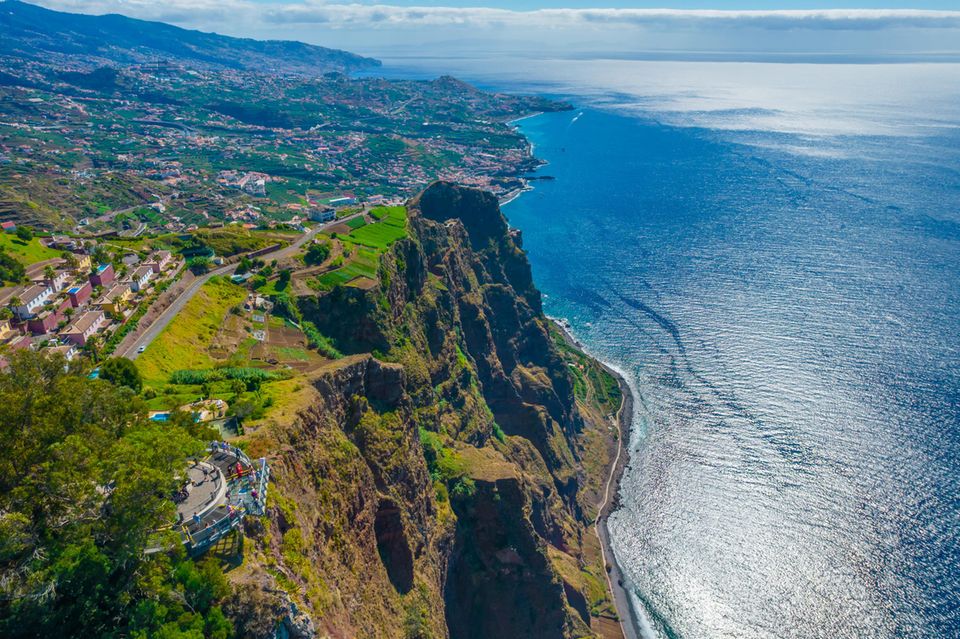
(439, 480)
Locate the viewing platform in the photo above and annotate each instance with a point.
(218, 491)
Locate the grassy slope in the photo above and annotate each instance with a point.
(183, 343)
(26, 252)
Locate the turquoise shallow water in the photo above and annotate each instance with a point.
(771, 253)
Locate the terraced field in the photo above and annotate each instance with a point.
(364, 246)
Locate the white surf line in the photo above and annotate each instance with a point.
(603, 505)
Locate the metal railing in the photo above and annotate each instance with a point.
(246, 495)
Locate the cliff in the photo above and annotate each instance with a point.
(439, 480)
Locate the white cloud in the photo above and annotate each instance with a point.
(333, 15)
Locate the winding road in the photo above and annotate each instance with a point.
(132, 351)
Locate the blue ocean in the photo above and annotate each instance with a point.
(771, 254)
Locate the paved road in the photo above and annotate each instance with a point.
(177, 305)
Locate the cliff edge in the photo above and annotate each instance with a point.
(440, 480)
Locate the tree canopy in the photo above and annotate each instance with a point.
(85, 485)
(120, 371)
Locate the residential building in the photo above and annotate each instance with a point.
(324, 214)
(115, 299)
(84, 263)
(84, 327)
(6, 331)
(8, 227)
(141, 277)
(57, 282)
(159, 260)
(32, 299)
(43, 322)
(80, 294)
(69, 351)
(20, 342)
(63, 242)
(103, 275)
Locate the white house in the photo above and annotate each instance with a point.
(141, 277)
(57, 282)
(323, 214)
(32, 299)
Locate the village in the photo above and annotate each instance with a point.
(112, 156)
(73, 304)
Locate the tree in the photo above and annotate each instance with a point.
(85, 480)
(284, 279)
(317, 253)
(49, 272)
(10, 269)
(101, 255)
(199, 265)
(120, 371)
(70, 259)
(92, 347)
(25, 233)
(244, 266)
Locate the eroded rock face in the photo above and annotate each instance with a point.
(378, 546)
(499, 576)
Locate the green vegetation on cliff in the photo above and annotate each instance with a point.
(433, 475)
(460, 466)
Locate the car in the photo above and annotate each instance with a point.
(142, 348)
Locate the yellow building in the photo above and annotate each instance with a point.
(84, 263)
(116, 299)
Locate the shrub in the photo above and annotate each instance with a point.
(244, 374)
(317, 253)
(320, 341)
(199, 265)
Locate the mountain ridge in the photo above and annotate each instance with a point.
(31, 31)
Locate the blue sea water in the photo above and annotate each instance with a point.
(790, 323)
(771, 254)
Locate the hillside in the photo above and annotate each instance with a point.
(33, 32)
(440, 479)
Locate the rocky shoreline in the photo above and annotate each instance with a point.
(615, 579)
(629, 624)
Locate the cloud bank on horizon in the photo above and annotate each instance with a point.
(367, 27)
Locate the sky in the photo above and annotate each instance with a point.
(813, 30)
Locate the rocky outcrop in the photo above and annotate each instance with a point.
(440, 479)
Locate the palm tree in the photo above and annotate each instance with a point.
(70, 259)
